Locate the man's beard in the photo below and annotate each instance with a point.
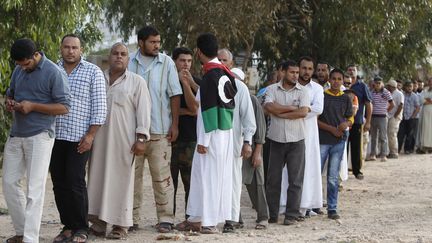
(150, 54)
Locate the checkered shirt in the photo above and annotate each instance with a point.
(88, 107)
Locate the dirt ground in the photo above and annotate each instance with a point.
(392, 204)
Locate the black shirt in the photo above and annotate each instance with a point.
(187, 124)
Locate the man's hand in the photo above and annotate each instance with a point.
(9, 103)
(343, 126)
(185, 77)
(172, 134)
(85, 143)
(138, 148)
(24, 107)
(246, 151)
(201, 149)
(257, 160)
(366, 126)
(336, 132)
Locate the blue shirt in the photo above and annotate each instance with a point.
(364, 95)
(88, 106)
(411, 102)
(163, 83)
(47, 84)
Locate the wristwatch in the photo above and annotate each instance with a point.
(141, 140)
(245, 141)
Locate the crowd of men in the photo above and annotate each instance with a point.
(210, 130)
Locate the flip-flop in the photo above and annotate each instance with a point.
(262, 225)
(80, 236)
(62, 238)
(117, 233)
(209, 230)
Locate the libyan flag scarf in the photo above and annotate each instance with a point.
(217, 91)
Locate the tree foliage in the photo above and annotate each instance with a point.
(389, 36)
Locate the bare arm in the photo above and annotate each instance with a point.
(416, 111)
(295, 114)
(276, 109)
(390, 106)
(175, 110)
(399, 110)
(331, 129)
(368, 116)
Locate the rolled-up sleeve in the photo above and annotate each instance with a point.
(174, 87)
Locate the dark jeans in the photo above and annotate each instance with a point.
(293, 155)
(68, 172)
(355, 141)
(181, 163)
(407, 131)
(266, 153)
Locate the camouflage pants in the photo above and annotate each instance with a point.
(181, 162)
(158, 155)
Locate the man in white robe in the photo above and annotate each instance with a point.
(312, 182)
(210, 195)
(111, 171)
(243, 128)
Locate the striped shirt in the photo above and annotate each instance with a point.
(88, 106)
(287, 130)
(380, 100)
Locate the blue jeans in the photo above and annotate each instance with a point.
(334, 153)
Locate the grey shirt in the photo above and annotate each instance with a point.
(47, 84)
(287, 130)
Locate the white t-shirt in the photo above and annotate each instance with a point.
(398, 99)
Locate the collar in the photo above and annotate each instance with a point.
(138, 54)
(118, 80)
(296, 86)
(42, 61)
(81, 62)
(340, 93)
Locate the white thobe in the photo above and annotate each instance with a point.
(244, 127)
(210, 193)
(111, 172)
(312, 181)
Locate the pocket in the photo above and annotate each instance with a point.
(120, 98)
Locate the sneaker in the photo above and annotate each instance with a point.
(371, 158)
(359, 176)
(332, 214)
(383, 159)
(392, 156)
(289, 220)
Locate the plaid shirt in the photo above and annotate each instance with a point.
(88, 106)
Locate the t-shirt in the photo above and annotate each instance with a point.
(187, 124)
(337, 109)
(363, 94)
(398, 99)
(380, 100)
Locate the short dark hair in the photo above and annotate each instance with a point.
(306, 58)
(407, 83)
(73, 36)
(351, 65)
(325, 63)
(181, 50)
(145, 32)
(208, 45)
(378, 79)
(280, 65)
(289, 63)
(22, 49)
(337, 70)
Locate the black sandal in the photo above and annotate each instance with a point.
(80, 236)
(62, 237)
(164, 227)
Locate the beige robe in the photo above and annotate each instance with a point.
(111, 173)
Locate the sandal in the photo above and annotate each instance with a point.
(262, 225)
(80, 236)
(15, 239)
(117, 233)
(94, 232)
(228, 228)
(62, 236)
(164, 227)
(209, 230)
(188, 226)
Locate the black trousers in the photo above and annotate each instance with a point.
(293, 155)
(407, 134)
(355, 143)
(266, 154)
(68, 176)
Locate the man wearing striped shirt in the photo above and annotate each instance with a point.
(383, 103)
(75, 132)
